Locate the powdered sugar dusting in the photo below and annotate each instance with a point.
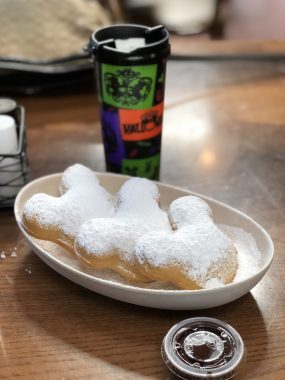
(138, 198)
(194, 248)
(79, 204)
(104, 235)
(77, 175)
(189, 210)
(249, 256)
(137, 212)
(12, 251)
(105, 274)
(239, 236)
(213, 283)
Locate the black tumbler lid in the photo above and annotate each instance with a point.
(102, 46)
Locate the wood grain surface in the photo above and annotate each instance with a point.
(224, 136)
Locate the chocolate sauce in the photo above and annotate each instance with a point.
(208, 346)
(198, 348)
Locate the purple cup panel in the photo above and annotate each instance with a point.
(112, 138)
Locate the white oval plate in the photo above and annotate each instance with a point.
(111, 286)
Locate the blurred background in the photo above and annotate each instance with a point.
(41, 42)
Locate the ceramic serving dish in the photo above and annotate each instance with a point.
(156, 295)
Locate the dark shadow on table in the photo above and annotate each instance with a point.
(104, 328)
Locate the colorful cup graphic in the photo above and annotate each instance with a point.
(130, 67)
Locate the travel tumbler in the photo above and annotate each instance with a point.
(130, 67)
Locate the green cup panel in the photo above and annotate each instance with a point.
(129, 87)
(145, 167)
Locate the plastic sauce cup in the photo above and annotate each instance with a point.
(203, 348)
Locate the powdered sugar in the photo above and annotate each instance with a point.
(77, 175)
(189, 210)
(105, 274)
(138, 198)
(195, 246)
(249, 256)
(137, 212)
(12, 251)
(213, 283)
(240, 239)
(104, 235)
(85, 199)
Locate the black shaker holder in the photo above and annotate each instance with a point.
(19, 168)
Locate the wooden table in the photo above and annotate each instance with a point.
(224, 136)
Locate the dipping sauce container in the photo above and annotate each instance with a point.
(203, 348)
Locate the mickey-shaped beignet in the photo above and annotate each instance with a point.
(195, 253)
(109, 243)
(58, 219)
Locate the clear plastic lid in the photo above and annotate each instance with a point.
(200, 348)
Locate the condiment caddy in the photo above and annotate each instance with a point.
(13, 157)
